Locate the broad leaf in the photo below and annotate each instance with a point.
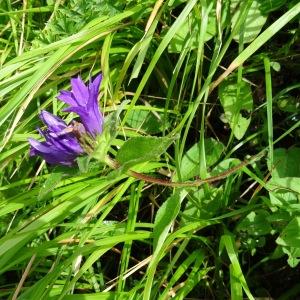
(290, 236)
(255, 223)
(202, 205)
(286, 163)
(142, 149)
(191, 29)
(236, 99)
(191, 160)
(254, 22)
(266, 6)
(293, 254)
(146, 121)
(284, 192)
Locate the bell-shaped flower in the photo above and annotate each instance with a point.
(83, 100)
(60, 146)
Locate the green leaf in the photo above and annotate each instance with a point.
(191, 29)
(95, 296)
(256, 223)
(294, 255)
(83, 163)
(165, 217)
(254, 22)
(181, 270)
(228, 243)
(288, 103)
(284, 192)
(202, 205)
(190, 162)
(286, 163)
(236, 288)
(266, 6)
(236, 99)
(224, 166)
(142, 149)
(146, 120)
(290, 236)
(275, 65)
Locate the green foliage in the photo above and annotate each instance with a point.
(149, 121)
(165, 216)
(285, 163)
(142, 149)
(250, 29)
(236, 99)
(191, 29)
(75, 16)
(190, 163)
(184, 100)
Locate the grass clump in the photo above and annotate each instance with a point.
(199, 198)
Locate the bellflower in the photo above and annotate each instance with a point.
(61, 145)
(82, 100)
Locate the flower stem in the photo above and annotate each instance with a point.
(115, 165)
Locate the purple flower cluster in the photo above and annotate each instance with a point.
(62, 143)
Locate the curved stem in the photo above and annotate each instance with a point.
(165, 182)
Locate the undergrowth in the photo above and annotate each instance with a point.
(199, 198)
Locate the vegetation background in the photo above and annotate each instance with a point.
(199, 87)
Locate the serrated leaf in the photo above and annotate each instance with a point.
(236, 98)
(142, 149)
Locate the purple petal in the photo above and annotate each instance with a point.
(95, 84)
(33, 143)
(61, 145)
(93, 105)
(38, 146)
(88, 119)
(79, 90)
(54, 123)
(67, 97)
(77, 110)
(65, 142)
(50, 153)
(83, 100)
(97, 116)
